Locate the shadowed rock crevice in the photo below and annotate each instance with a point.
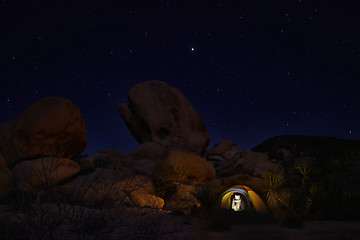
(135, 123)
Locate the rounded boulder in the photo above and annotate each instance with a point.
(32, 175)
(184, 168)
(50, 127)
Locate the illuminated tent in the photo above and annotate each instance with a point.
(248, 198)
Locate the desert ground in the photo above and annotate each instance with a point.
(323, 230)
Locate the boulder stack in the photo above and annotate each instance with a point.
(36, 148)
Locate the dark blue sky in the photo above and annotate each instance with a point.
(252, 69)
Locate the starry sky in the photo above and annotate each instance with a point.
(252, 69)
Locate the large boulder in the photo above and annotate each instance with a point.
(32, 175)
(111, 188)
(52, 127)
(160, 113)
(181, 167)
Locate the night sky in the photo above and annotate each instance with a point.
(252, 69)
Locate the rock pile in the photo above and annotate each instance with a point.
(173, 159)
(39, 144)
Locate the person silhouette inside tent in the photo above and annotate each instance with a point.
(237, 202)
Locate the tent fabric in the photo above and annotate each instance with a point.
(253, 198)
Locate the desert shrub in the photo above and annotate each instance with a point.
(303, 169)
(285, 198)
(207, 197)
(273, 182)
(294, 202)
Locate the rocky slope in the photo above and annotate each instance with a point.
(323, 148)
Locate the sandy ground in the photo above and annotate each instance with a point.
(148, 224)
(323, 230)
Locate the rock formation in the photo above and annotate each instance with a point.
(111, 188)
(160, 113)
(51, 127)
(35, 152)
(224, 150)
(32, 175)
(223, 155)
(184, 168)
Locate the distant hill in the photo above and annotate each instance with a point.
(313, 146)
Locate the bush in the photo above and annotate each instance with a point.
(207, 197)
(273, 182)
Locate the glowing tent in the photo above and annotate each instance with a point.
(240, 198)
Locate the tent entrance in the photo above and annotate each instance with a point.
(239, 202)
(241, 198)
